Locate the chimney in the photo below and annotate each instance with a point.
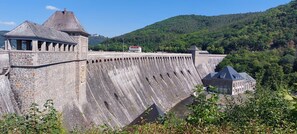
(64, 11)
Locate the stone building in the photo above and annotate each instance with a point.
(50, 57)
(136, 49)
(229, 81)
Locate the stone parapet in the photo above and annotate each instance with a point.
(121, 55)
(31, 59)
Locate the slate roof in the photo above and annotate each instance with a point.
(210, 75)
(247, 77)
(228, 73)
(65, 21)
(32, 30)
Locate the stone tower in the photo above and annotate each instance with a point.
(49, 62)
(66, 21)
(195, 53)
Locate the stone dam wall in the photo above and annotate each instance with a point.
(7, 101)
(206, 63)
(121, 86)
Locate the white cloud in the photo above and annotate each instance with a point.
(7, 23)
(49, 7)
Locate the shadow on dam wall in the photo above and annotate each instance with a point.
(7, 101)
(7, 98)
(119, 89)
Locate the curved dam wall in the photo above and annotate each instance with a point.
(7, 100)
(107, 88)
(121, 86)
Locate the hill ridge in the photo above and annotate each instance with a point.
(214, 33)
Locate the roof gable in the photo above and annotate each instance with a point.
(23, 30)
(210, 75)
(33, 30)
(228, 73)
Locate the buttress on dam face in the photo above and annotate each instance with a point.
(52, 61)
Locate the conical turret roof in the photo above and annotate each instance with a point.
(65, 21)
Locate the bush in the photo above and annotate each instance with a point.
(204, 110)
(267, 111)
(47, 120)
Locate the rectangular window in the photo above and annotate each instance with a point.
(27, 45)
(39, 45)
(47, 46)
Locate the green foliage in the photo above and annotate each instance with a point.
(274, 28)
(272, 69)
(270, 110)
(267, 111)
(35, 121)
(103, 129)
(171, 35)
(215, 50)
(204, 110)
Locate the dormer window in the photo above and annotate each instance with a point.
(222, 76)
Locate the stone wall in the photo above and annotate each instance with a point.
(56, 82)
(28, 58)
(223, 86)
(121, 86)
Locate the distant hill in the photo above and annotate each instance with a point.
(2, 39)
(153, 36)
(218, 34)
(95, 40)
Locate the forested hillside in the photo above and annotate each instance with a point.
(153, 37)
(94, 40)
(273, 28)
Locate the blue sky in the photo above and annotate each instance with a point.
(116, 17)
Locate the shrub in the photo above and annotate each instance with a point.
(204, 110)
(35, 120)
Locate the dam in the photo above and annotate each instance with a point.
(123, 85)
(52, 61)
